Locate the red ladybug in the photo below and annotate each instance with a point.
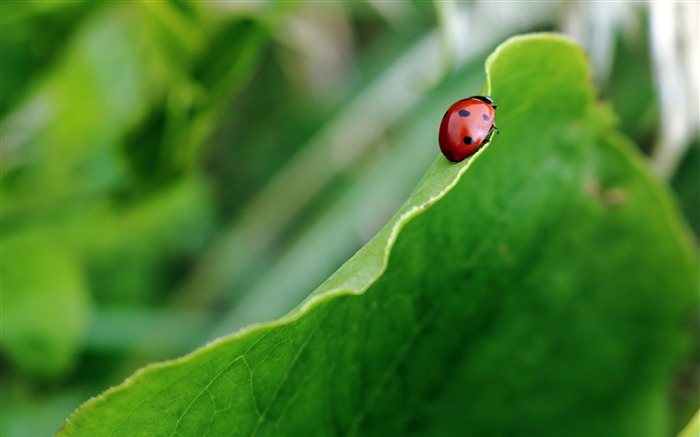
(466, 126)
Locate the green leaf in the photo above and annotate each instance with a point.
(539, 288)
(693, 427)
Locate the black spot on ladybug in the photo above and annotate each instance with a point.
(463, 113)
(468, 140)
(486, 117)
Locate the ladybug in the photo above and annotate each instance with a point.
(466, 126)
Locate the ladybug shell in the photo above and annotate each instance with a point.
(464, 127)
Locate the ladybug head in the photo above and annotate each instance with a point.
(486, 99)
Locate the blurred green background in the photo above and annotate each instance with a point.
(173, 171)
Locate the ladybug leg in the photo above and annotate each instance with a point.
(492, 131)
(487, 140)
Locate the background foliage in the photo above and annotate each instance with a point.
(166, 166)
